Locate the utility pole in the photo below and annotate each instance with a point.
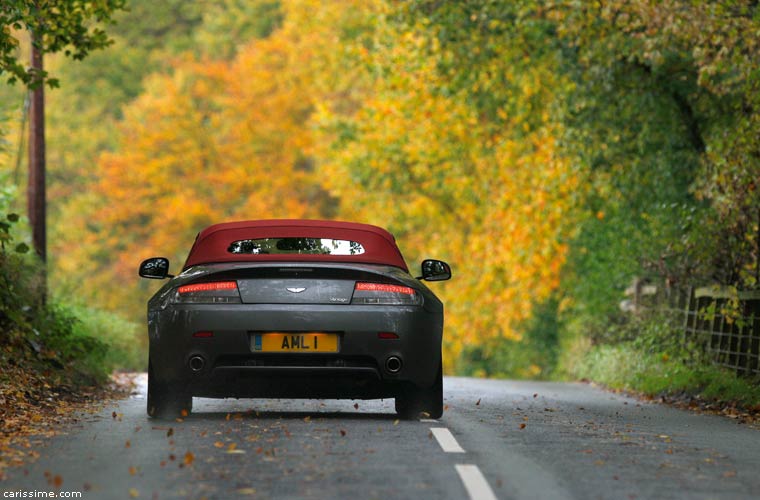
(36, 206)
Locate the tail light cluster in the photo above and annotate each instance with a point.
(217, 292)
(385, 294)
(226, 292)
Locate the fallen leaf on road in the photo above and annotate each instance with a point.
(535, 395)
(522, 426)
(307, 419)
(729, 473)
(189, 457)
(669, 451)
(232, 447)
(134, 493)
(395, 422)
(478, 402)
(599, 462)
(246, 491)
(587, 451)
(342, 432)
(58, 481)
(113, 415)
(356, 406)
(170, 432)
(132, 470)
(127, 444)
(184, 412)
(445, 407)
(218, 444)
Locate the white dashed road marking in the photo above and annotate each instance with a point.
(474, 482)
(446, 440)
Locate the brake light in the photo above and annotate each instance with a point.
(381, 287)
(206, 287)
(217, 292)
(385, 294)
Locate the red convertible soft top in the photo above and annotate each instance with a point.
(213, 243)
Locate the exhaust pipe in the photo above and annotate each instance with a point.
(197, 363)
(393, 364)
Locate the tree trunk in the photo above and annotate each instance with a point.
(36, 206)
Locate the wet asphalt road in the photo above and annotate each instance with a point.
(497, 439)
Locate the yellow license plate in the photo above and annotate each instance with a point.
(294, 342)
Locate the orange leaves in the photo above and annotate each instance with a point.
(208, 141)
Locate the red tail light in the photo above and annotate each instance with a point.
(207, 287)
(217, 292)
(382, 287)
(385, 294)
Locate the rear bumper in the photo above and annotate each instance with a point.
(231, 368)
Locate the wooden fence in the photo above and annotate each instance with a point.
(726, 326)
(721, 323)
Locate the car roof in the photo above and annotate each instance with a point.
(212, 243)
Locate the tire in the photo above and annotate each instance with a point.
(166, 400)
(414, 403)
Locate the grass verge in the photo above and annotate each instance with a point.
(628, 367)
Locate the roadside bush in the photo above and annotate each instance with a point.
(126, 352)
(71, 345)
(650, 357)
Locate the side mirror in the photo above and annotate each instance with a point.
(156, 268)
(435, 270)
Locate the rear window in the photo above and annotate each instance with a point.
(295, 246)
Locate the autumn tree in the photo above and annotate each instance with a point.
(208, 140)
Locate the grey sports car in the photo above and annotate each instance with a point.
(298, 309)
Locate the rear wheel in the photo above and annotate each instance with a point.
(414, 402)
(166, 400)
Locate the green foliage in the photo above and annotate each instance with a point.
(124, 346)
(228, 24)
(624, 366)
(58, 25)
(76, 345)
